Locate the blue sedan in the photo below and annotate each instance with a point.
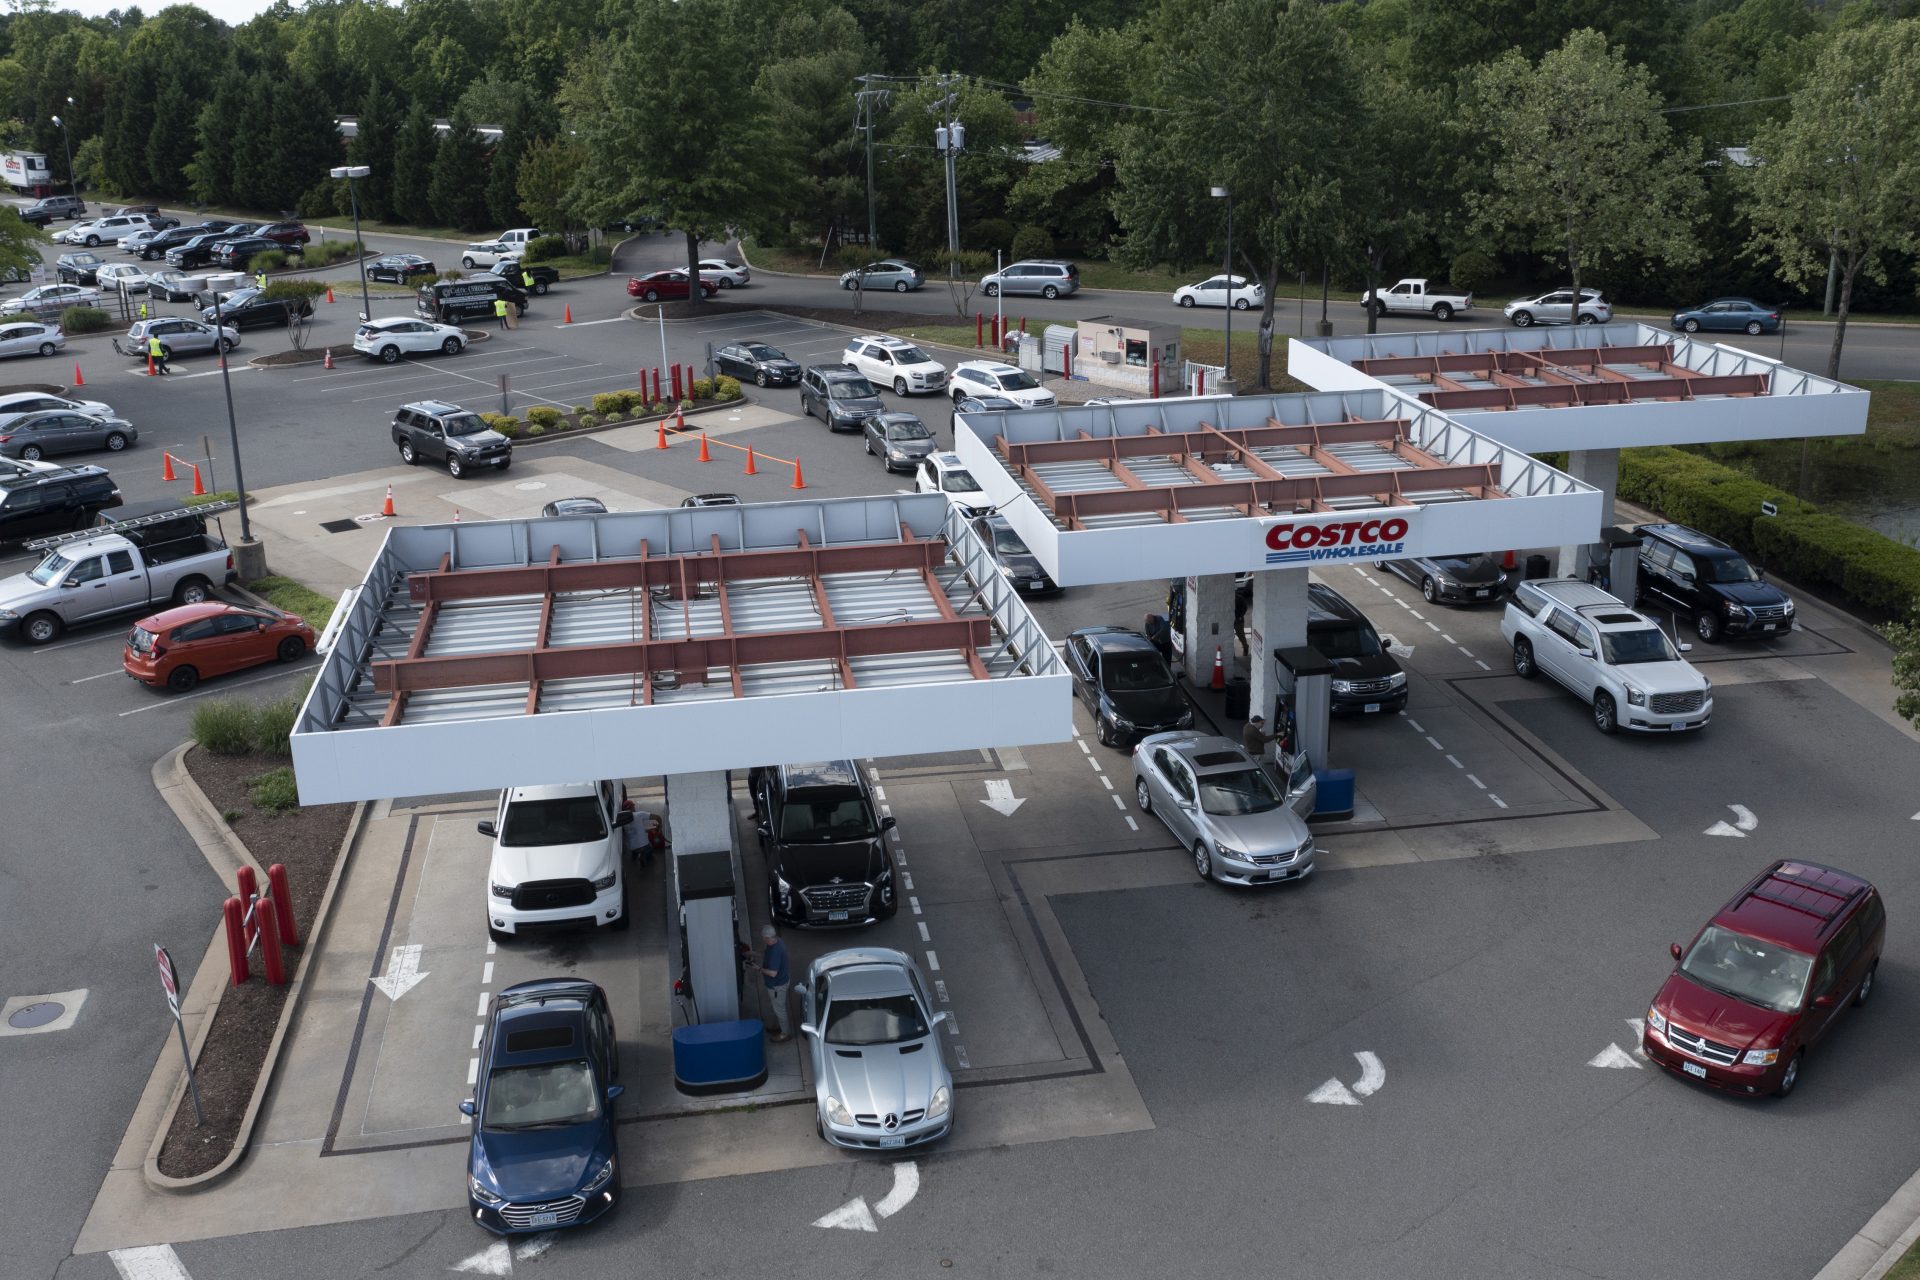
(544, 1152)
(1729, 315)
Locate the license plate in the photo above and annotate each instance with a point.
(1278, 875)
(1694, 1069)
(1770, 626)
(836, 915)
(1483, 593)
(1372, 706)
(893, 1142)
(543, 1220)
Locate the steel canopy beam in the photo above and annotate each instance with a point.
(1389, 488)
(1206, 438)
(1591, 393)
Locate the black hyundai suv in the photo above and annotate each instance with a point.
(53, 500)
(827, 859)
(1366, 679)
(1687, 570)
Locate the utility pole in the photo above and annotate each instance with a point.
(866, 99)
(950, 139)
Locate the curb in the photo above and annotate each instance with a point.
(225, 854)
(1868, 1256)
(319, 355)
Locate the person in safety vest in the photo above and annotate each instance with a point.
(157, 353)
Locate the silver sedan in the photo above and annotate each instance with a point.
(880, 1078)
(30, 338)
(1225, 808)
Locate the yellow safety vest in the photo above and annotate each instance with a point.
(500, 307)
(153, 347)
(526, 278)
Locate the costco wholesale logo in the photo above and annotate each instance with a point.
(1352, 540)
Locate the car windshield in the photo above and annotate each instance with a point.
(1643, 644)
(850, 388)
(1344, 642)
(551, 1095)
(875, 1020)
(1748, 969)
(465, 424)
(911, 429)
(534, 824)
(51, 570)
(955, 480)
(1007, 542)
(765, 353)
(825, 821)
(1017, 381)
(911, 355)
(1727, 569)
(1242, 791)
(1135, 672)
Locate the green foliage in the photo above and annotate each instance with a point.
(703, 388)
(544, 415)
(658, 407)
(545, 177)
(451, 273)
(458, 189)
(989, 234)
(324, 253)
(85, 320)
(268, 260)
(275, 792)
(611, 404)
(726, 388)
(324, 199)
(285, 288)
(289, 596)
(589, 419)
(415, 147)
(375, 134)
(579, 409)
(541, 248)
(273, 723)
(1472, 269)
(1032, 241)
(505, 423)
(223, 726)
(1905, 638)
(536, 430)
(817, 53)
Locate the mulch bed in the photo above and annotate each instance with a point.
(306, 841)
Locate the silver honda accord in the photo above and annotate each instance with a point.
(880, 1078)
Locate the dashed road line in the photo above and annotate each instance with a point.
(933, 961)
(1082, 744)
(481, 1012)
(1416, 613)
(478, 1031)
(473, 1072)
(1449, 639)
(940, 989)
(1462, 648)
(1108, 783)
(1454, 762)
(1496, 799)
(879, 793)
(907, 878)
(1476, 782)
(1415, 724)
(1095, 764)
(915, 904)
(1430, 626)
(1483, 666)
(1118, 802)
(1131, 824)
(1434, 743)
(924, 935)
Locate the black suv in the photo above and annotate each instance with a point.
(441, 432)
(840, 394)
(251, 308)
(1366, 679)
(197, 252)
(827, 859)
(451, 301)
(1686, 570)
(238, 251)
(54, 500)
(171, 238)
(514, 273)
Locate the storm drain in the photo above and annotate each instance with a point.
(340, 526)
(35, 1016)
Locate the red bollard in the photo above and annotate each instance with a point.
(676, 383)
(1023, 324)
(270, 959)
(230, 913)
(1199, 382)
(283, 904)
(249, 886)
(1156, 382)
(1066, 360)
(979, 327)
(655, 397)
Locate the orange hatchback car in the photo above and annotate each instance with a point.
(180, 647)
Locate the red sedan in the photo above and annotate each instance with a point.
(178, 647)
(666, 284)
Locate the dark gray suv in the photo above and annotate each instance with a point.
(441, 432)
(826, 851)
(839, 395)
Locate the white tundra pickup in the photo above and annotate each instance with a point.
(1416, 297)
(1618, 660)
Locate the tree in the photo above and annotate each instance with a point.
(1905, 638)
(684, 140)
(253, 159)
(547, 170)
(807, 95)
(414, 148)
(372, 144)
(303, 142)
(170, 143)
(211, 170)
(19, 243)
(1838, 179)
(458, 188)
(1582, 160)
(1405, 175)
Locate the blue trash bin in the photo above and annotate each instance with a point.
(1333, 797)
(720, 1057)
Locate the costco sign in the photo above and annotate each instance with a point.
(1336, 538)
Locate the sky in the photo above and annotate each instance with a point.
(233, 12)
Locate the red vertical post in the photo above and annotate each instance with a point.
(979, 326)
(283, 904)
(1066, 359)
(674, 378)
(1023, 324)
(270, 958)
(230, 913)
(249, 886)
(655, 397)
(1156, 382)
(1199, 382)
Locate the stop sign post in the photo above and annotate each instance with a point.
(170, 983)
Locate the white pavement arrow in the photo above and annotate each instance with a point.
(1404, 652)
(1373, 1074)
(403, 975)
(851, 1216)
(148, 1262)
(494, 1260)
(1743, 822)
(906, 1185)
(1613, 1056)
(1000, 797)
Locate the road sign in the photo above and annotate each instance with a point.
(170, 983)
(169, 979)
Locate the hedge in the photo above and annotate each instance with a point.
(1801, 542)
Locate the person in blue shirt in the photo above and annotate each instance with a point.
(773, 970)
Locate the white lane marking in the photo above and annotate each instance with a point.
(906, 879)
(1639, 1026)
(1076, 731)
(1082, 744)
(1743, 817)
(1403, 604)
(906, 1185)
(116, 640)
(1416, 725)
(1119, 803)
(582, 324)
(532, 1247)
(1496, 799)
(886, 811)
(924, 935)
(177, 699)
(1476, 782)
(1416, 613)
(1613, 1056)
(960, 1052)
(486, 974)
(1462, 648)
(1108, 783)
(1430, 626)
(1455, 763)
(1131, 824)
(1373, 1074)
(915, 904)
(473, 1071)
(1483, 666)
(148, 1262)
(1000, 797)
(1095, 764)
(851, 1216)
(403, 971)
(494, 1260)
(879, 793)
(933, 961)
(1434, 743)
(953, 1024)
(1449, 639)
(1010, 758)
(477, 1033)
(102, 676)
(490, 946)
(481, 1012)
(1383, 591)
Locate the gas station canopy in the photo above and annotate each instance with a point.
(519, 652)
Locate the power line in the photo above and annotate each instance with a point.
(1740, 102)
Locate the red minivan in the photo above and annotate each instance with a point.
(1767, 977)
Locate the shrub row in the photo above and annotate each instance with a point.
(323, 253)
(84, 320)
(234, 727)
(541, 248)
(608, 406)
(1801, 542)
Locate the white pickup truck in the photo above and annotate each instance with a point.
(1620, 661)
(1415, 296)
(126, 567)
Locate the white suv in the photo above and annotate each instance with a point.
(992, 378)
(557, 855)
(896, 363)
(486, 253)
(945, 473)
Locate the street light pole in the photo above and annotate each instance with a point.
(350, 172)
(66, 144)
(1227, 385)
(233, 425)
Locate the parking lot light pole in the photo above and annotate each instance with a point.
(233, 431)
(1227, 385)
(66, 144)
(350, 172)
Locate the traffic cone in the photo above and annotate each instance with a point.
(456, 515)
(199, 489)
(569, 319)
(798, 481)
(166, 467)
(1219, 680)
(679, 420)
(663, 435)
(328, 362)
(329, 293)
(79, 380)
(386, 508)
(149, 366)
(751, 469)
(707, 457)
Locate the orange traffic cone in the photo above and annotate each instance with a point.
(569, 319)
(149, 366)
(798, 481)
(199, 489)
(456, 515)
(751, 469)
(663, 435)
(386, 508)
(1219, 680)
(329, 293)
(707, 457)
(166, 467)
(328, 362)
(679, 420)
(79, 380)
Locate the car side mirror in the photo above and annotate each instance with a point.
(624, 818)
(808, 1029)
(486, 829)
(1584, 653)
(886, 824)
(1826, 1001)
(938, 1018)
(614, 1091)
(1673, 948)
(467, 1108)
(1686, 647)
(801, 987)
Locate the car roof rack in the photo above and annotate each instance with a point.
(137, 522)
(1795, 899)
